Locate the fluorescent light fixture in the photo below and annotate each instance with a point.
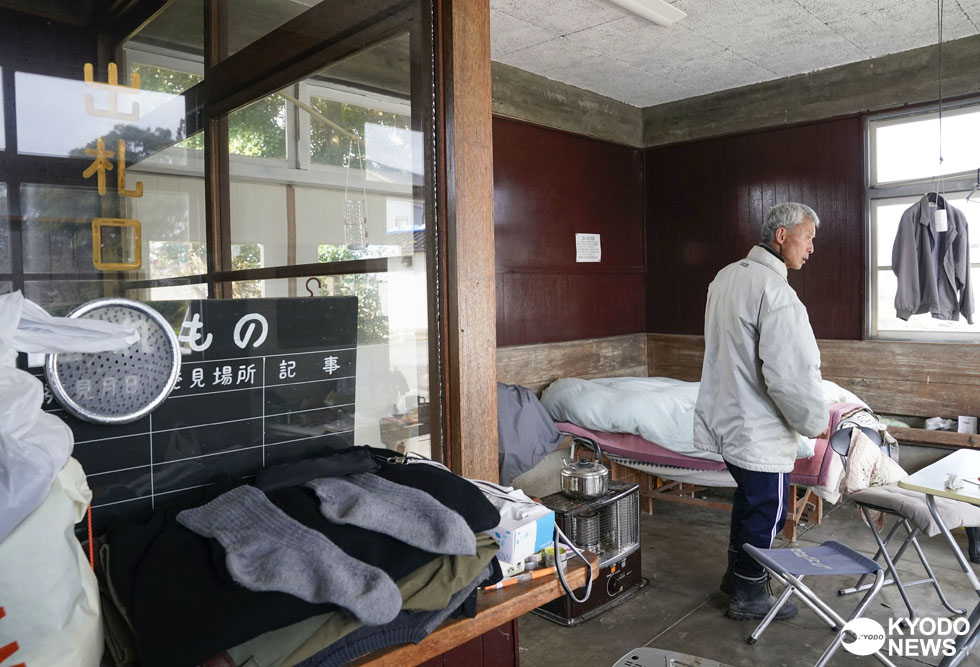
(657, 11)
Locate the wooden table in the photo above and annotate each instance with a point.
(931, 480)
(494, 608)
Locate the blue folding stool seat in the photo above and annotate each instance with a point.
(789, 566)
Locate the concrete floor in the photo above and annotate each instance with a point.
(683, 551)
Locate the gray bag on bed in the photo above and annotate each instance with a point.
(525, 432)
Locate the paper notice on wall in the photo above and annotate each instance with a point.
(587, 248)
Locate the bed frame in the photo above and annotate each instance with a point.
(909, 380)
(536, 366)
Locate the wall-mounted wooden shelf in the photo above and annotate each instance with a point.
(921, 436)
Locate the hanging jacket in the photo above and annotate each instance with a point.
(932, 279)
(760, 382)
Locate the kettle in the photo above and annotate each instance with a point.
(584, 479)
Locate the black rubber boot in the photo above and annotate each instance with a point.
(751, 601)
(726, 579)
(973, 533)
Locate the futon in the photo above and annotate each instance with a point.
(648, 424)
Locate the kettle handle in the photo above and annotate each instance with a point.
(591, 444)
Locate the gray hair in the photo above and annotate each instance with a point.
(788, 215)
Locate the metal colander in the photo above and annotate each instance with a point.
(121, 386)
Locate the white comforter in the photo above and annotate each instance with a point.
(657, 409)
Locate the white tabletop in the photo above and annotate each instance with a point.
(964, 463)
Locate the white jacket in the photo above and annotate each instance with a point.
(760, 383)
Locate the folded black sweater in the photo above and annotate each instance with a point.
(185, 607)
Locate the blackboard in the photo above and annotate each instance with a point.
(262, 381)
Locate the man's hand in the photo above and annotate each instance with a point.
(823, 435)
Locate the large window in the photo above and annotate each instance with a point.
(258, 186)
(903, 166)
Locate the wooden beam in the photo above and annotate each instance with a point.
(124, 18)
(469, 374)
(217, 192)
(921, 436)
(327, 32)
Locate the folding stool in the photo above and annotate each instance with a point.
(789, 566)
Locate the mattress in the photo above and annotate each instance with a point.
(821, 472)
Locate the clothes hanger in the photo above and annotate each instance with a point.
(975, 190)
(937, 192)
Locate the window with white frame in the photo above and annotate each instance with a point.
(903, 165)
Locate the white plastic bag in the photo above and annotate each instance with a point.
(39, 332)
(48, 591)
(35, 445)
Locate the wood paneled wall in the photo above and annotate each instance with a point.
(705, 202)
(549, 185)
(892, 377)
(537, 366)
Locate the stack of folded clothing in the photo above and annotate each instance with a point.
(316, 564)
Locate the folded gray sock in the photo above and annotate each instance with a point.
(267, 550)
(409, 515)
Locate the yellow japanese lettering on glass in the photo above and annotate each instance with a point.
(113, 88)
(121, 159)
(101, 164)
(137, 253)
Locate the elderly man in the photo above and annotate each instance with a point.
(760, 390)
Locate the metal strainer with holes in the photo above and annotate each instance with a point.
(121, 386)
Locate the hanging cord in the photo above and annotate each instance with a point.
(939, 11)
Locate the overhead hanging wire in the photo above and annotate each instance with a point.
(939, 21)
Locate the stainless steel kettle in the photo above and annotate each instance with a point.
(584, 479)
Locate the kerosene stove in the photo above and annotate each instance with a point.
(608, 526)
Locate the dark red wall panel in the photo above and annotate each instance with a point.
(705, 202)
(548, 186)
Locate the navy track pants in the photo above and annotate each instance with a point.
(758, 514)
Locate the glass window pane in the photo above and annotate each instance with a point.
(908, 149)
(3, 126)
(392, 351)
(59, 297)
(259, 130)
(888, 321)
(4, 231)
(170, 80)
(361, 132)
(180, 27)
(886, 214)
(287, 206)
(252, 19)
(175, 33)
(57, 230)
(59, 117)
(348, 194)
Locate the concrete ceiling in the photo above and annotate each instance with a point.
(722, 44)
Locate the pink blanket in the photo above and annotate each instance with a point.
(813, 471)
